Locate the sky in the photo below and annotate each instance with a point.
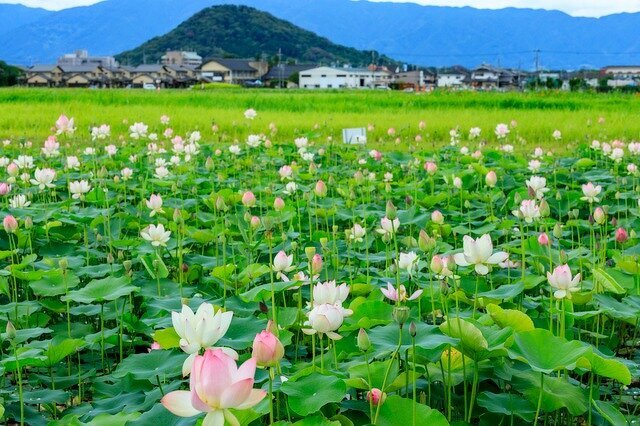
(592, 8)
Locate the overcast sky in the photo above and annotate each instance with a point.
(572, 7)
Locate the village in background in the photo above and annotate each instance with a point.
(183, 69)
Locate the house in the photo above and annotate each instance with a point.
(455, 77)
(155, 74)
(283, 75)
(44, 76)
(83, 76)
(417, 79)
(488, 77)
(352, 78)
(234, 71)
(621, 75)
(182, 76)
(177, 57)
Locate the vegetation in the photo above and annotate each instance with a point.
(9, 75)
(538, 113)
(483, 283)
(245, 32)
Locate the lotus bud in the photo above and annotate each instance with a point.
(437, 217)
(591, 220)
(517, 198)
(491, 179)
(116, 179)
(430, 168)
(543, 239)
(621, 235)
(324, 242)
(436, 264)
(563, 257)
(110, 258)
(376, 397)
(127, 265)
(10, 224)
(557, 230)
(13, 170)
(545, 210)
(120, 255)
(310, 252)
(632, 234)
(413, 330)
(312, 168)
(220, 204)
(401, 314)
(247, 217)
(425, 242)
(255, 222)
(11, 331)
(278, 204)
(391, 211)
(63, 264)
(363, 340)
(177, 216)
(408, 200)
(267, 349)
(599, 216)
(208, 164)
(28, 222)
(316, 264)
(248, 199)
(321, 189)
(294, 245)
(614, 221)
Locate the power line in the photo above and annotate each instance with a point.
(519, 52)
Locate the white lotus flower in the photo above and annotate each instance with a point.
(201, 330)
(154, 203)
(408, 262)
(43, 178)
(156, 235)
(78, 189)
(479, 253)
(538, 185)
(562, 281)
(326, 319)
(591, 192)
(138, 130)
(388, 227)
(281, 264)
(329, 292)
(528, 211)
(19, 201)
(357, 233)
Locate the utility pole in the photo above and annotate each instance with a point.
(537, 59)
(280, 70)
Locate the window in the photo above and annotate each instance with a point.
(317, 86)
(305, 75)
(323, 75)
(341, 75)
(329, 86)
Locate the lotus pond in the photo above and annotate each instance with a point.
(235, 276)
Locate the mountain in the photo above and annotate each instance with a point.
(16, 15)
(245, 32)
(427, 35)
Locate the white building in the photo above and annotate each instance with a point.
(339, 78)
(81, 57)
(455, 77)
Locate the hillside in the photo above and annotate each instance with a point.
(16, 15)
(8, 74)
(245, 32)
(425, 35)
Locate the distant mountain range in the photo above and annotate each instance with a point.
(425, 35)
(245, 32)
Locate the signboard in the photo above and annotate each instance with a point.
(357, 136)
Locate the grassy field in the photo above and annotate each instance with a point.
(30, 113)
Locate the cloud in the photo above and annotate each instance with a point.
(52, 4)
(591, 8)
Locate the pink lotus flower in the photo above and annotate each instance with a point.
(543, 239)
(392, 293)
(621, 235)
(316, 264)
(216, 385)
(5, 188)
(431, 168)
(491, 179)
(591, 192)
(320, 189)
(278, 204)
(376, 396)
(155, 346)
(267, 349)
(64, 125)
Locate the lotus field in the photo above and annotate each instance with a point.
(150, 277)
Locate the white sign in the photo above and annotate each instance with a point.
(357, 136)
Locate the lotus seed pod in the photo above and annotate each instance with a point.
(310, 252)
(401, 314)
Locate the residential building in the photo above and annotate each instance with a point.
(456, 77)
(282, 75)
(346, 77)
(423, 79)
(81, 57)
(235, 71)
(177, 57)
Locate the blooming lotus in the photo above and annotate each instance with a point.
(154, 203)
(102, 132)
(591, 192)
(43, 178)
(537, 185)
(138, 131)
(562, 281)
(50, 148)
(357, 233)
(502, 130)
(78, 189)
(326, 319)
(393, 294)
(216, 385)
(19, 201)
(156, 235)
(408, 262)
(161, 172)
(250, 114)
(388, 227)
(329, 292)
(65, 125)
(281, 264)
(73, 163)
(479, 253)
(254, 141)
(528, 211)
(200, 331)
(474, 132)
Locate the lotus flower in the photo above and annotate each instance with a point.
(216, 385)
(408, 262)
(326, 319)
(537, 185)
(388, 227)
(10, 224)
(43, 178)
(154, 203)
(267, 349)
(200, 331)
(78, 189)
(65, 125)
(250, 114)
(528, 211)
(479, 253)
(156, 235)
(357, 233)
(393, 294)
(281, 264)
(329, 292)
(591, 192)
(562, 281)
